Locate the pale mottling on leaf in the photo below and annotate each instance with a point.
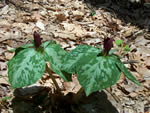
(30, 68)
(99, 75)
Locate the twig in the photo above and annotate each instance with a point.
(130, 62)
(116, 99)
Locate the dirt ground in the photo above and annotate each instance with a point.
(71, 23)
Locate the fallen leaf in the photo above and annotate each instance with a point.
(77, 30)
(133, 94)
(9, 55)
(40, 25)
(4, 80)
(148, 62)
(4, 10)
(129, 32)
(35, 7)
(61, 17)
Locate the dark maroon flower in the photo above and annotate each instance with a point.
(37, 39)
(108, 44)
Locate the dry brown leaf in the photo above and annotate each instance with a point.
(133, 94)
(73, 86)
(148, 62)
(35, 7)
(8, 55)
(76, 82)
(129, 32)
(4, 80)
(4, 23)
(77, 30)
(40, 25)
(3, 68)
(26, 28)
(64, 35)
(36, 1)
(75, 13)
(69, 86)
(61, 17)
(1, 51)
(4, 10)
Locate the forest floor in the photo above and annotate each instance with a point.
(71, 23)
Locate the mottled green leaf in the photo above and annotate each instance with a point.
(74, 58)
(55, 55)
(122, 67)
(112, 51)
(26, 68)
(17, 50)
(23, 47)
(45, 44)
(98, 73)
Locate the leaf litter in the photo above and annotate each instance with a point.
(70, 23)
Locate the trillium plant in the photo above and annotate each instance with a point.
(29, 62)
(96, 68)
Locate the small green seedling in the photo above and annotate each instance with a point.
(122, 48)
(6, 98)
(93, 13)
(119, 43)
(126, 48)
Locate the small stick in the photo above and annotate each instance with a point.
(116, 99)
(53, 79)
(130, 62)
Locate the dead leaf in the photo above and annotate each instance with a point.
(1, 51)
(129, 32)
(148, 62)
(40, 25)
(64, 35)
(35, 7)
(77, 30)
(8, 55)
(77, 13)
(133, 94)
(3, 68)
(61, 17)
(4, 80)
(4, 23)
(4, 10)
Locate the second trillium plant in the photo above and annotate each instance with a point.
(96, 68)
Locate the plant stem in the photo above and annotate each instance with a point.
(53, 79)
(130, 62)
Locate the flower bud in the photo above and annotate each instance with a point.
(108, 44)
(37, 39)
